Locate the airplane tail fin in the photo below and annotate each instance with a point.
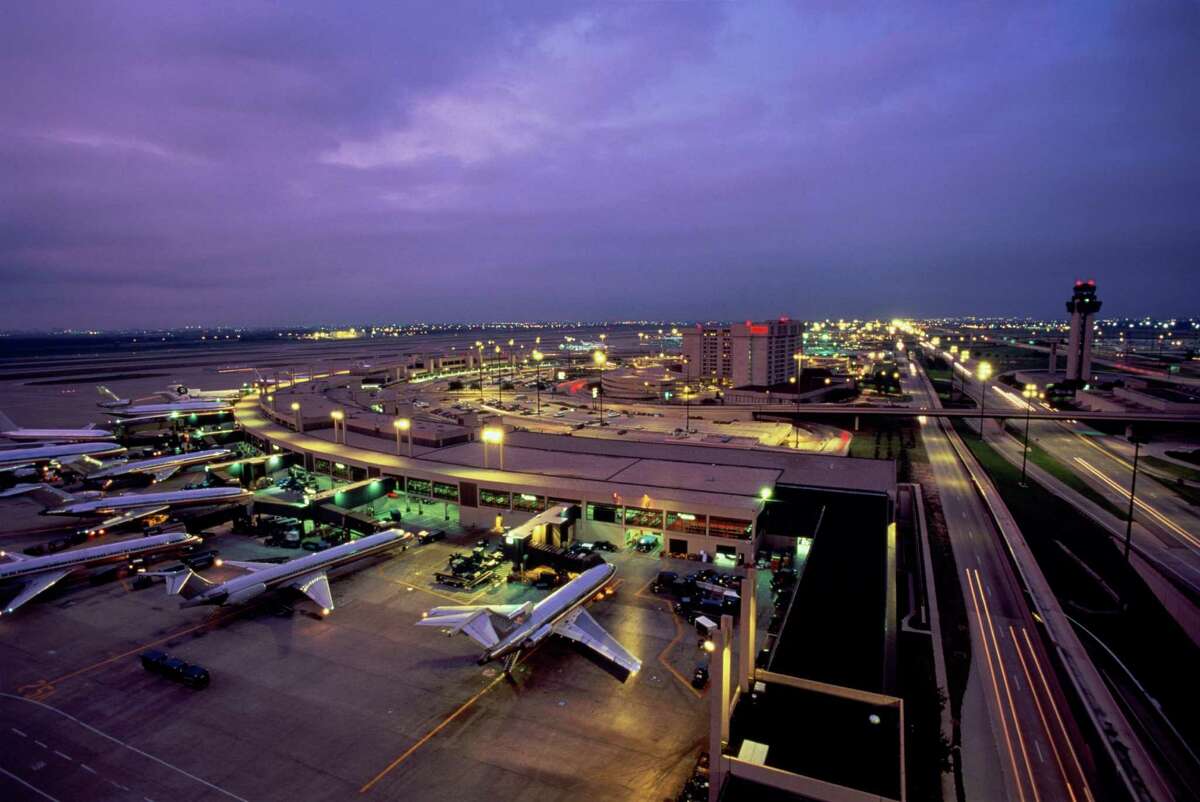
(180, 583)
(6, 423)
(43, 494)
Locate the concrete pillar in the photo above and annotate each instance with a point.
(746, 636)
(718, 731)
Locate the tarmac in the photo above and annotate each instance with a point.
(361, 704)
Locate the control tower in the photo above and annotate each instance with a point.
(1083, 306)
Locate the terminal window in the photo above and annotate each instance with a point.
(687, 522)
(527, 502)
(637, 516)
(604, 513)
(420, 487)
(499, 499)
(730, 527)
(445, 492)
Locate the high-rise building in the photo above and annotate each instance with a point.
(764, 354)
(1083, 306)
(759, 354)
(707, 354)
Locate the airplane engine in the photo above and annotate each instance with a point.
(246, 594)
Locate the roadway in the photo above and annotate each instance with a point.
(1137, 770)
(1018, 734)
(1167, 528)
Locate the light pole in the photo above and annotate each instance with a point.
(600, 358)
(494, 435)
(1030, 393)
(296, 414)
(512, 368)
(1132, 489)
(403, 425)
(953, 370)
(499, 382)
(337, 416)
(479, 347)
(984, 373)
(538, 356)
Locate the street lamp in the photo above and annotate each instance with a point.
(1137, 443)
(338, 416)
(479, 347)
(403, 425)
(1030, 394)
(538, 356)
(984, 373)
(499, 381)
(495, 436)
(296, 414)
(600, 359)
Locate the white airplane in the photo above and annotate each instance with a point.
(29, 456)
(36, 574)
(523, 625)
(125, 408)
(158, 468)
(122, 508)
(11, 431)
(181, 392)
(305, 574)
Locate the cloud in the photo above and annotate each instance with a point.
(677, 159)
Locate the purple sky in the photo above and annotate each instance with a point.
(292, 162)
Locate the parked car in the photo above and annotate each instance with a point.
(173, 668)
(664, 582)
(700, 676)
(427, 536)
(603, 545)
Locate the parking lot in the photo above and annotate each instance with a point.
(301, 707)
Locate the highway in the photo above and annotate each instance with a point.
(1019, 740)
(1167, 528)
(1139, 773)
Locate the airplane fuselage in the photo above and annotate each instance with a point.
(57, 435)
(95, 555)
(180, 407)
(550, 609)
(246, 586)
(32, 455)
(158, 463)
(105, 505)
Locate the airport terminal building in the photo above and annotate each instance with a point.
(698, 501)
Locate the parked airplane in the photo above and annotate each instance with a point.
(125, 408)
(305, 574)
(30, 456)
(158, 468)
(11, 431)
(124, 507)
(523, 625)
(36, 574)
(181, 392)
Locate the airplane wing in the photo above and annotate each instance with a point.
(126, 516)
(580, 627)
(246, 565)
(33, 587)
(476, 623)
(163, 474)
(316, 587)
(506, 610)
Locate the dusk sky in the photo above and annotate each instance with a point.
(289, 162)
